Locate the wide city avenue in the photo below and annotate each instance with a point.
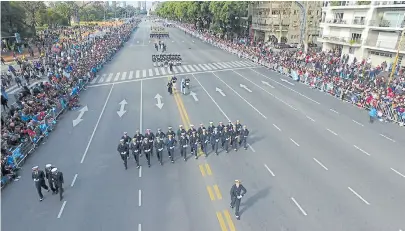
(179, 116)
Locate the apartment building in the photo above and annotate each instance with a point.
(364, 29)
(278, 21)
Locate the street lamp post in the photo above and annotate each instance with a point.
(394, 67)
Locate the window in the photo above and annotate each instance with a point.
(355, 37)
(352, 50)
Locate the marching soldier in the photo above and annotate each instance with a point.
(237, 192)
(215, 139)
(229, 126)
(200, 129)
(234, 138)
(123, 150)
(159, 149)
(194, 144)
(160, 134)
(126, 138)
(48, 176)
(180, 131)
(151, 137)
(139, 138)
(191, 130)
(171, 143)
(220, 129)
(204, 139)
(135, 147)
(58, 179)
(183, 143)
(171, 132)
(244, 133)
(147, 149)
(226, 139)
(211, 128)
(38, 176)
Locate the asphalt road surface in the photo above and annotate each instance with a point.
(313, 163)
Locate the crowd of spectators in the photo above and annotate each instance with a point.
(356, 81)
(71, 57)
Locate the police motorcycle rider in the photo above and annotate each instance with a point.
(204, 140)
(194, 141)
(151, 137)
(123, 150)
(215, 139)
(244, 133)
(170, 87)
(147, 149)
(139, 138)
(183, 143)
(135, 147)
(170, 144)
(159, 145)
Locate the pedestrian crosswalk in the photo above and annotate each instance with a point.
(163, 71)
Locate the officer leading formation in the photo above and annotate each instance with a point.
(226, 137)
(53, 176)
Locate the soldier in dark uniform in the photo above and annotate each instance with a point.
(215, 139)
(194, 144)
(38, 176)
(244, 133)
(229, 126)
(234, 138)
(159, 145)
(160, 134)
(126, 138)
(226, 139)
(181, 130)
(237, 192)
(147, 149)
(183, 143)
(58, 179)
(211, 129)
(151, 137)
(139, 138)
(238, 130)
(204, 140)
(171, 132)
(220, 129)
(200, 129)
(171, 143)
(135, 147)
(191, 130)
(48, 176)
(123, 150)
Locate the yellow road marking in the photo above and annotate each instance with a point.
(211, 193)
(180, 111)
(209, 172)
(202, 169)
(229, 220)
(221, 221)
(217, 192)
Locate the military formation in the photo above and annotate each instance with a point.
(53, 176)
(192, 142)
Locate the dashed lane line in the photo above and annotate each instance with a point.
(330, 109)
(294, 142)
(334, 133)
(139, 227)
(398, 172)
(358, 123)
(61, 209)
(323, 166)
(361, 150)
(388, 138)
(299, 206)
(139, 198)
(268, 169)
(140, 172)
(310, 118)
(358, 195)
(74, 180)
(277, 127)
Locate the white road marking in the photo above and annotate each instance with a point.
(180, 69)
(333, 111)
(139, 225)
(310, 118)
(216, 104)
(202, 67)
(92, 82)
(191, 68)
(294, 142)
(358, 123)
(212, 66)
(101, 79)
(98, 122)
(240, 96)
(144, 73)
(386, 137)
(268, 169)
(61, 209)
(140, 171)
(109, 78)
(398, 172)
(361, 150)
(222, 65)
(131, 75)
(206, 66)
(141, 109)
(117, 76)
(306, 97)
(175, 70)
(137, 74)
(240, 63)
(323, 166)
(299, 206)
(140, 198)
(334, 133)
(277, 127)
(266, 91)
(251, 148)
(124, 76)
(162, 69)
(196, 67)
(150, 72)
(185, 68)
(358, 195)
(74, 180)
(217, 65)
(232, 64)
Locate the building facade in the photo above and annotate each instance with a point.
(364, 29)
(278, 21)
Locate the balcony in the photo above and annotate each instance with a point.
(384, 45)
(268, 27)
(387, 25)
(347, 41)
(389, 4)
(337, 5)
(355, 23)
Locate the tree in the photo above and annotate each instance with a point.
(31, 9)
(12, 19)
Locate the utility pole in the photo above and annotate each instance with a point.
(394, 67)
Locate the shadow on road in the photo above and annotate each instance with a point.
(254, 199)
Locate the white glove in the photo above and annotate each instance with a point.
(239, 197)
